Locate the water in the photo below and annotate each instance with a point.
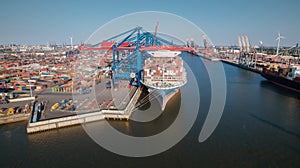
(260, 127)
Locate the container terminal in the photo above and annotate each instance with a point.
(94, 82)
(54, 87)
(279, 66)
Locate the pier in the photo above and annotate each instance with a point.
(123, 114)
(210, 58)
(242, 66)
(88, 117)
(14, 118)
(63, 122)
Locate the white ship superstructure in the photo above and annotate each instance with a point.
(164, 73)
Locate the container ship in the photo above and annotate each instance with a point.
(288, 77)
(164, 74)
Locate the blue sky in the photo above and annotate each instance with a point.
(39, 21)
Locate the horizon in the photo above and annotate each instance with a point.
(60, 44)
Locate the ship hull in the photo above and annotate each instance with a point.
(283, 82)
(163, 96)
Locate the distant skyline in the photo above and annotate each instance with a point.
(40, 22)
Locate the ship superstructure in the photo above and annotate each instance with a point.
(164, 73)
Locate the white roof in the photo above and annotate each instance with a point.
(164, 53)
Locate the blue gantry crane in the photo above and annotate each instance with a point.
(135, 41)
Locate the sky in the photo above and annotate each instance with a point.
(55, 21)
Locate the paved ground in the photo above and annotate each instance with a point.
(51, 99)
(14, 104)
(84, 102)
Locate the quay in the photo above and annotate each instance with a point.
(63, 122)
(14, 118)
(126, 113)
(210, 58)
(88, 117)
(242, 66)
(213, 59)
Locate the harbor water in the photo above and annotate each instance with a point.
(260, 127)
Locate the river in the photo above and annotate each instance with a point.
(260, 127)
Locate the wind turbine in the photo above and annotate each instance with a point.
(278, 42)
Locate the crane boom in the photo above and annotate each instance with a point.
(156, 28)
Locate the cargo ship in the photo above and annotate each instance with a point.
(288, 77)
(164, 74)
